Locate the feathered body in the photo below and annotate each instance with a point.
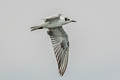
(59, 39)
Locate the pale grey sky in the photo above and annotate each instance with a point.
(94, 40)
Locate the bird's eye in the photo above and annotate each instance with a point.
(66, 19)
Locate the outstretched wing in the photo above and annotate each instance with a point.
(60, 43)
(52, 18)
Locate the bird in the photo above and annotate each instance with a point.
(59, 38)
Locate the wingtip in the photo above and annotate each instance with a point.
(61, 73)
(59, 14)
(32, 28)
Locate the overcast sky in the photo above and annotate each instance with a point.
(94, 40)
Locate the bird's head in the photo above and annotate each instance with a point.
(67, 20)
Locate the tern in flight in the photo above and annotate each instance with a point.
(59, 39)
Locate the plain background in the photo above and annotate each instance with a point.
(94, 40)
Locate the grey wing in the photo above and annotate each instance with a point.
(52, 18)
(60, 43)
